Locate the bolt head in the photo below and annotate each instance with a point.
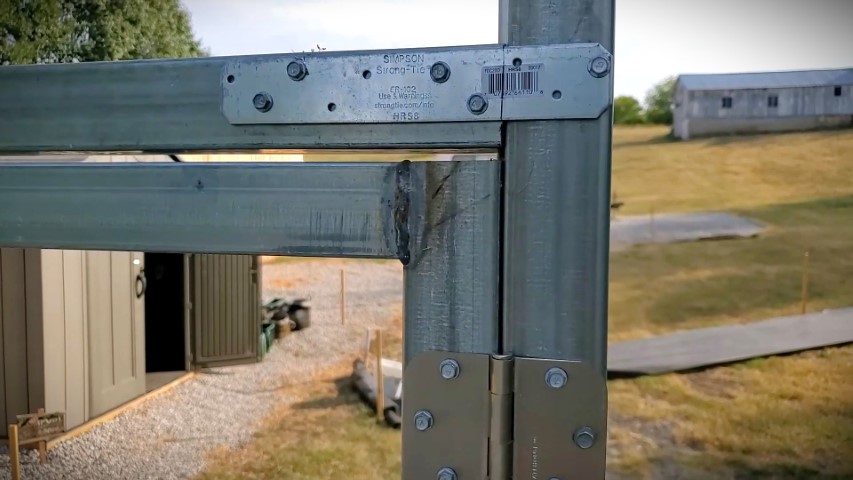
(556, 377)
(477, 104)
(446, 473)
(262, 102)
(449, 369)
(423, 420)
(599, 67)
(297, 70)
(439, 72)
(584, 438)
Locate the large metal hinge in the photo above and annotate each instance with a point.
(474, 416)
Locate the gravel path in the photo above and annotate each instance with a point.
(168, 436)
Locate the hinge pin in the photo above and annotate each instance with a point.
(449, 369)
(423, 420)
(556, 377)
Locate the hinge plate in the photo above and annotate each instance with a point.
(392, 86)
(477, 414)
(546, 420)
(459, 435)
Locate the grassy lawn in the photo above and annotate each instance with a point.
(782, 417)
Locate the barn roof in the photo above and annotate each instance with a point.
(737, 81)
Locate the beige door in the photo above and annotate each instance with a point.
(115, 289)
(226, 309)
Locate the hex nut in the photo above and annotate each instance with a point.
(297, 70)
(449, 369)
(477, 104)
(584, 437)
(556, 377)
(439, 72)
(599, 67)
(447, 473)
(423, 420)
(262, 102)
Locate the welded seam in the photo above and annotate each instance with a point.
(402, 201)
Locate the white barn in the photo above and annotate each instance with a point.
(714, 104)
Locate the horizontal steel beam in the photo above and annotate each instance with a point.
(340, 210)
(176, 106)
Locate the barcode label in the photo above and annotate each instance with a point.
(512, 81)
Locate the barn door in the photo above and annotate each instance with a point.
(116, 314)
(226, 309)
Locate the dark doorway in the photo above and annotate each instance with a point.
(164, 313)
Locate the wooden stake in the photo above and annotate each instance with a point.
(42, 445)
(804, 292)
(343, 298)
(380, 381)
(14, 452)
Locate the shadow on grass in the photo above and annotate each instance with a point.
(656, 140)
(345, 395)
(743, 138)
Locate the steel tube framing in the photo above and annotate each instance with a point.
(451, 291)
(176, 106)
(340, 210)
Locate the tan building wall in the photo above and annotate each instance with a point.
(21, 346)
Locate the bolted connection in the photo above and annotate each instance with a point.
(439, 72)
(446, 473)
(297, 70)
(599, 67)
(477, 104)
(262, 102)
(556, 377)
(584, 437)
(423, 420)
(449, 369)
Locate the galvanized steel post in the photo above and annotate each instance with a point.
(556, 203)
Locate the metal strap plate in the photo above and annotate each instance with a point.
(459, 84)
(551, 425)
(459, 435)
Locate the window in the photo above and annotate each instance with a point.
(727, 102)
(773, 101)
(838, 91)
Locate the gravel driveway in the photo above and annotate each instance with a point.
(169, 435)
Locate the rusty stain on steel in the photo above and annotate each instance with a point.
(402, 193)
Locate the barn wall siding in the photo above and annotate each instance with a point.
(793, 102)
(699, 127)
(701, 112)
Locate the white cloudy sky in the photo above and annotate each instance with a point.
(654, 38)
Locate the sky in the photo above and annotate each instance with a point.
(654, 38)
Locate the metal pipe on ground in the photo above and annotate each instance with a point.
(365, 385)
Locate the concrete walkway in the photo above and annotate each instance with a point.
(705, 347)
(679, 227)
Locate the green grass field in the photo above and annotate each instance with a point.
(783, 417)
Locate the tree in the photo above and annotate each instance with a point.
(659, 102)
(62, 31)
(627, 111)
